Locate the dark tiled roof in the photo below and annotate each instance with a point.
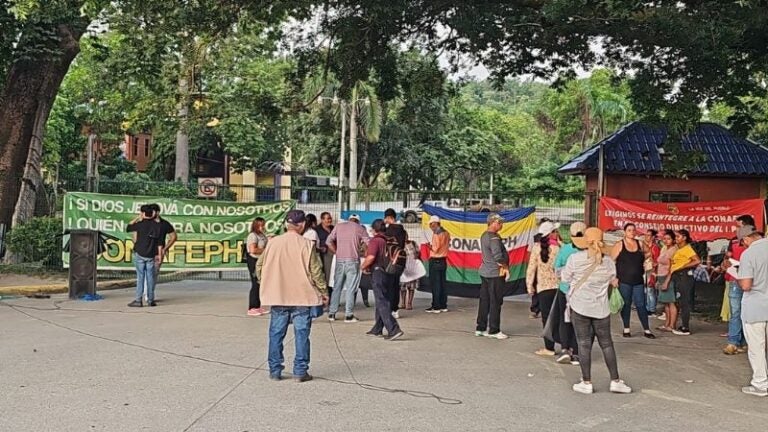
(633, 149)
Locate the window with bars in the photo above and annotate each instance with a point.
(671, 196)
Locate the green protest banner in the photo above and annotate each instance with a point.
(210, 233)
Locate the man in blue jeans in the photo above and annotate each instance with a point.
(146, 247)
(345, 241)
(737, 343)
(293, 284)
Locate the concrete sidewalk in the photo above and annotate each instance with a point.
(196, 362)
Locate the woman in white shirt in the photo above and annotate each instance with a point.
(310, 232)
(590, 275)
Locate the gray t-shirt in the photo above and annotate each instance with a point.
(754, 265)
(494, 253)
(259, 238)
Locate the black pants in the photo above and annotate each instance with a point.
(437, 270)
(546, 298)
(684, 285)
(254, 302)
(327, 259)
(586, 329)
(379, 283)
(489, 308)
(565, 329)
(393, 291)
(535, 307)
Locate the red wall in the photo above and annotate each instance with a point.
(638, 188)
(138, 148)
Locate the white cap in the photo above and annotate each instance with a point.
(546, 228)
(354, 216)
(434, 219)
(577, 227)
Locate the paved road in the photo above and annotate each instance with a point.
(195, 363)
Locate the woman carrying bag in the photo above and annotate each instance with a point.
(541, 267)
(590, 274)
(414, 271)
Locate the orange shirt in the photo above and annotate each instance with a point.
(440, 242)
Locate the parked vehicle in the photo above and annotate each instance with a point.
(413, 215)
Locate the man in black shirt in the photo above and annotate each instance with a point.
(323, 231)
(146, 248)
(396, 231)
(166, 229)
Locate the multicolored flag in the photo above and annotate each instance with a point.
(464, 256)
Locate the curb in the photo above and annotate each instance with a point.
(28, 290)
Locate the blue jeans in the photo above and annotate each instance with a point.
(636, 294)
(650, 295)
(735, 326)
(346, 277)
(279, 318)
(145, 272)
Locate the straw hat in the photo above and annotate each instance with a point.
(592, 241)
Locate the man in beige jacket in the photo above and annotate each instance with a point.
(293, 284)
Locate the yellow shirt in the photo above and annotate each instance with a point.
(682, 257)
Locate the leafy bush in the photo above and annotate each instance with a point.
(38, 240)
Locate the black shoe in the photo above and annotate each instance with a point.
(152, 304)
(366, 304)
(373, 333)
(626, 334)
(432, 310)
(397, 335)
(275, 377)
(649, 335)
(135, 303)
(304, 378)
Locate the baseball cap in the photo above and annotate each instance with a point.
(577, 228)
(744, 231)
(295, 217)
(495, 217)
(547, 227)
(354, 217)
(434, 219)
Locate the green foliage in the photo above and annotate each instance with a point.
(38, 240)
(142, 184)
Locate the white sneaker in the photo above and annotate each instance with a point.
(396, 315)
(443, 310)
(583, 387)
(620, 387)
(481, 333)
(498, 335)
(751, 390)
(662, 317)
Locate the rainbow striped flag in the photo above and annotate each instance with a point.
(464, 256)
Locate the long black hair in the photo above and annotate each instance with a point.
(544, 242)
(685, 233)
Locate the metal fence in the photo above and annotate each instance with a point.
(564, 208)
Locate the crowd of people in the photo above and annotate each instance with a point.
(575, 285)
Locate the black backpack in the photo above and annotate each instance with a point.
(395, 257)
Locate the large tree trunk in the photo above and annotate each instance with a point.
(25, 103)
(182, 135)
